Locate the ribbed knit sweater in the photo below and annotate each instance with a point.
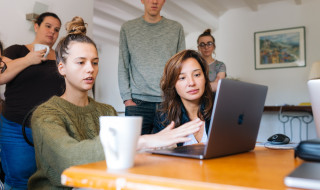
(144, 49)
(65, 135)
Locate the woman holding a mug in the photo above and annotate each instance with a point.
(30, 79)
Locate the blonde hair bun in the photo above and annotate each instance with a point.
(76, 26)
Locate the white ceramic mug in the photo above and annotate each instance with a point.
(119, 137)
(38, 47)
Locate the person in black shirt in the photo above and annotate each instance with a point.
(30, 80)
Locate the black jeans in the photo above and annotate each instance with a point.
(145, 109)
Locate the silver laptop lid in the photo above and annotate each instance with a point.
(314, 92)
(235, 118)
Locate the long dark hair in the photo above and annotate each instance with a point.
(171, 105)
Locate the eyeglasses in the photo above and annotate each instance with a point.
(3, 65)
(203, 45)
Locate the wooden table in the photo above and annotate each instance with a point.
(259, 169)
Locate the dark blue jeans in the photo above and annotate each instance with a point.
(17, 157)
(145, 109)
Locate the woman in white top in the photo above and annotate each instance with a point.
(186, 94)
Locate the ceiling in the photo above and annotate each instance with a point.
(194, 15)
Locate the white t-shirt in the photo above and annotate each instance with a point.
(193, 140)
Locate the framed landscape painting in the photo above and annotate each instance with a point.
(281, 48)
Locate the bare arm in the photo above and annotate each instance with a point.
(170, 135)
(14, 67)
(214, 84)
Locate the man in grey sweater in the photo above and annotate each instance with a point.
(146, 43)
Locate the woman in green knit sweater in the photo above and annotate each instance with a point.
(65, 129)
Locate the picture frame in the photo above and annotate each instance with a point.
(281, 48)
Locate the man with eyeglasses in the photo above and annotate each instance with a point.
(146, 43)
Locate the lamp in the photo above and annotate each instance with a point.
(314, 92)
(315, 71)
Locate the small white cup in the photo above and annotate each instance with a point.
(119, 137)
(38, 47)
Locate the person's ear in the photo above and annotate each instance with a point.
(62, 69)
(35, 26)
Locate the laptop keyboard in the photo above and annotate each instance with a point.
(197, 149)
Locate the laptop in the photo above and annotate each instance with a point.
(314, 92)
(306, 176)
(234, 125)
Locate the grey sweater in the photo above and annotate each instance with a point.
(144, 50)
(65, 135)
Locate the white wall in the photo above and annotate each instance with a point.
(15, 29)
(107, 88)
(235, 47)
